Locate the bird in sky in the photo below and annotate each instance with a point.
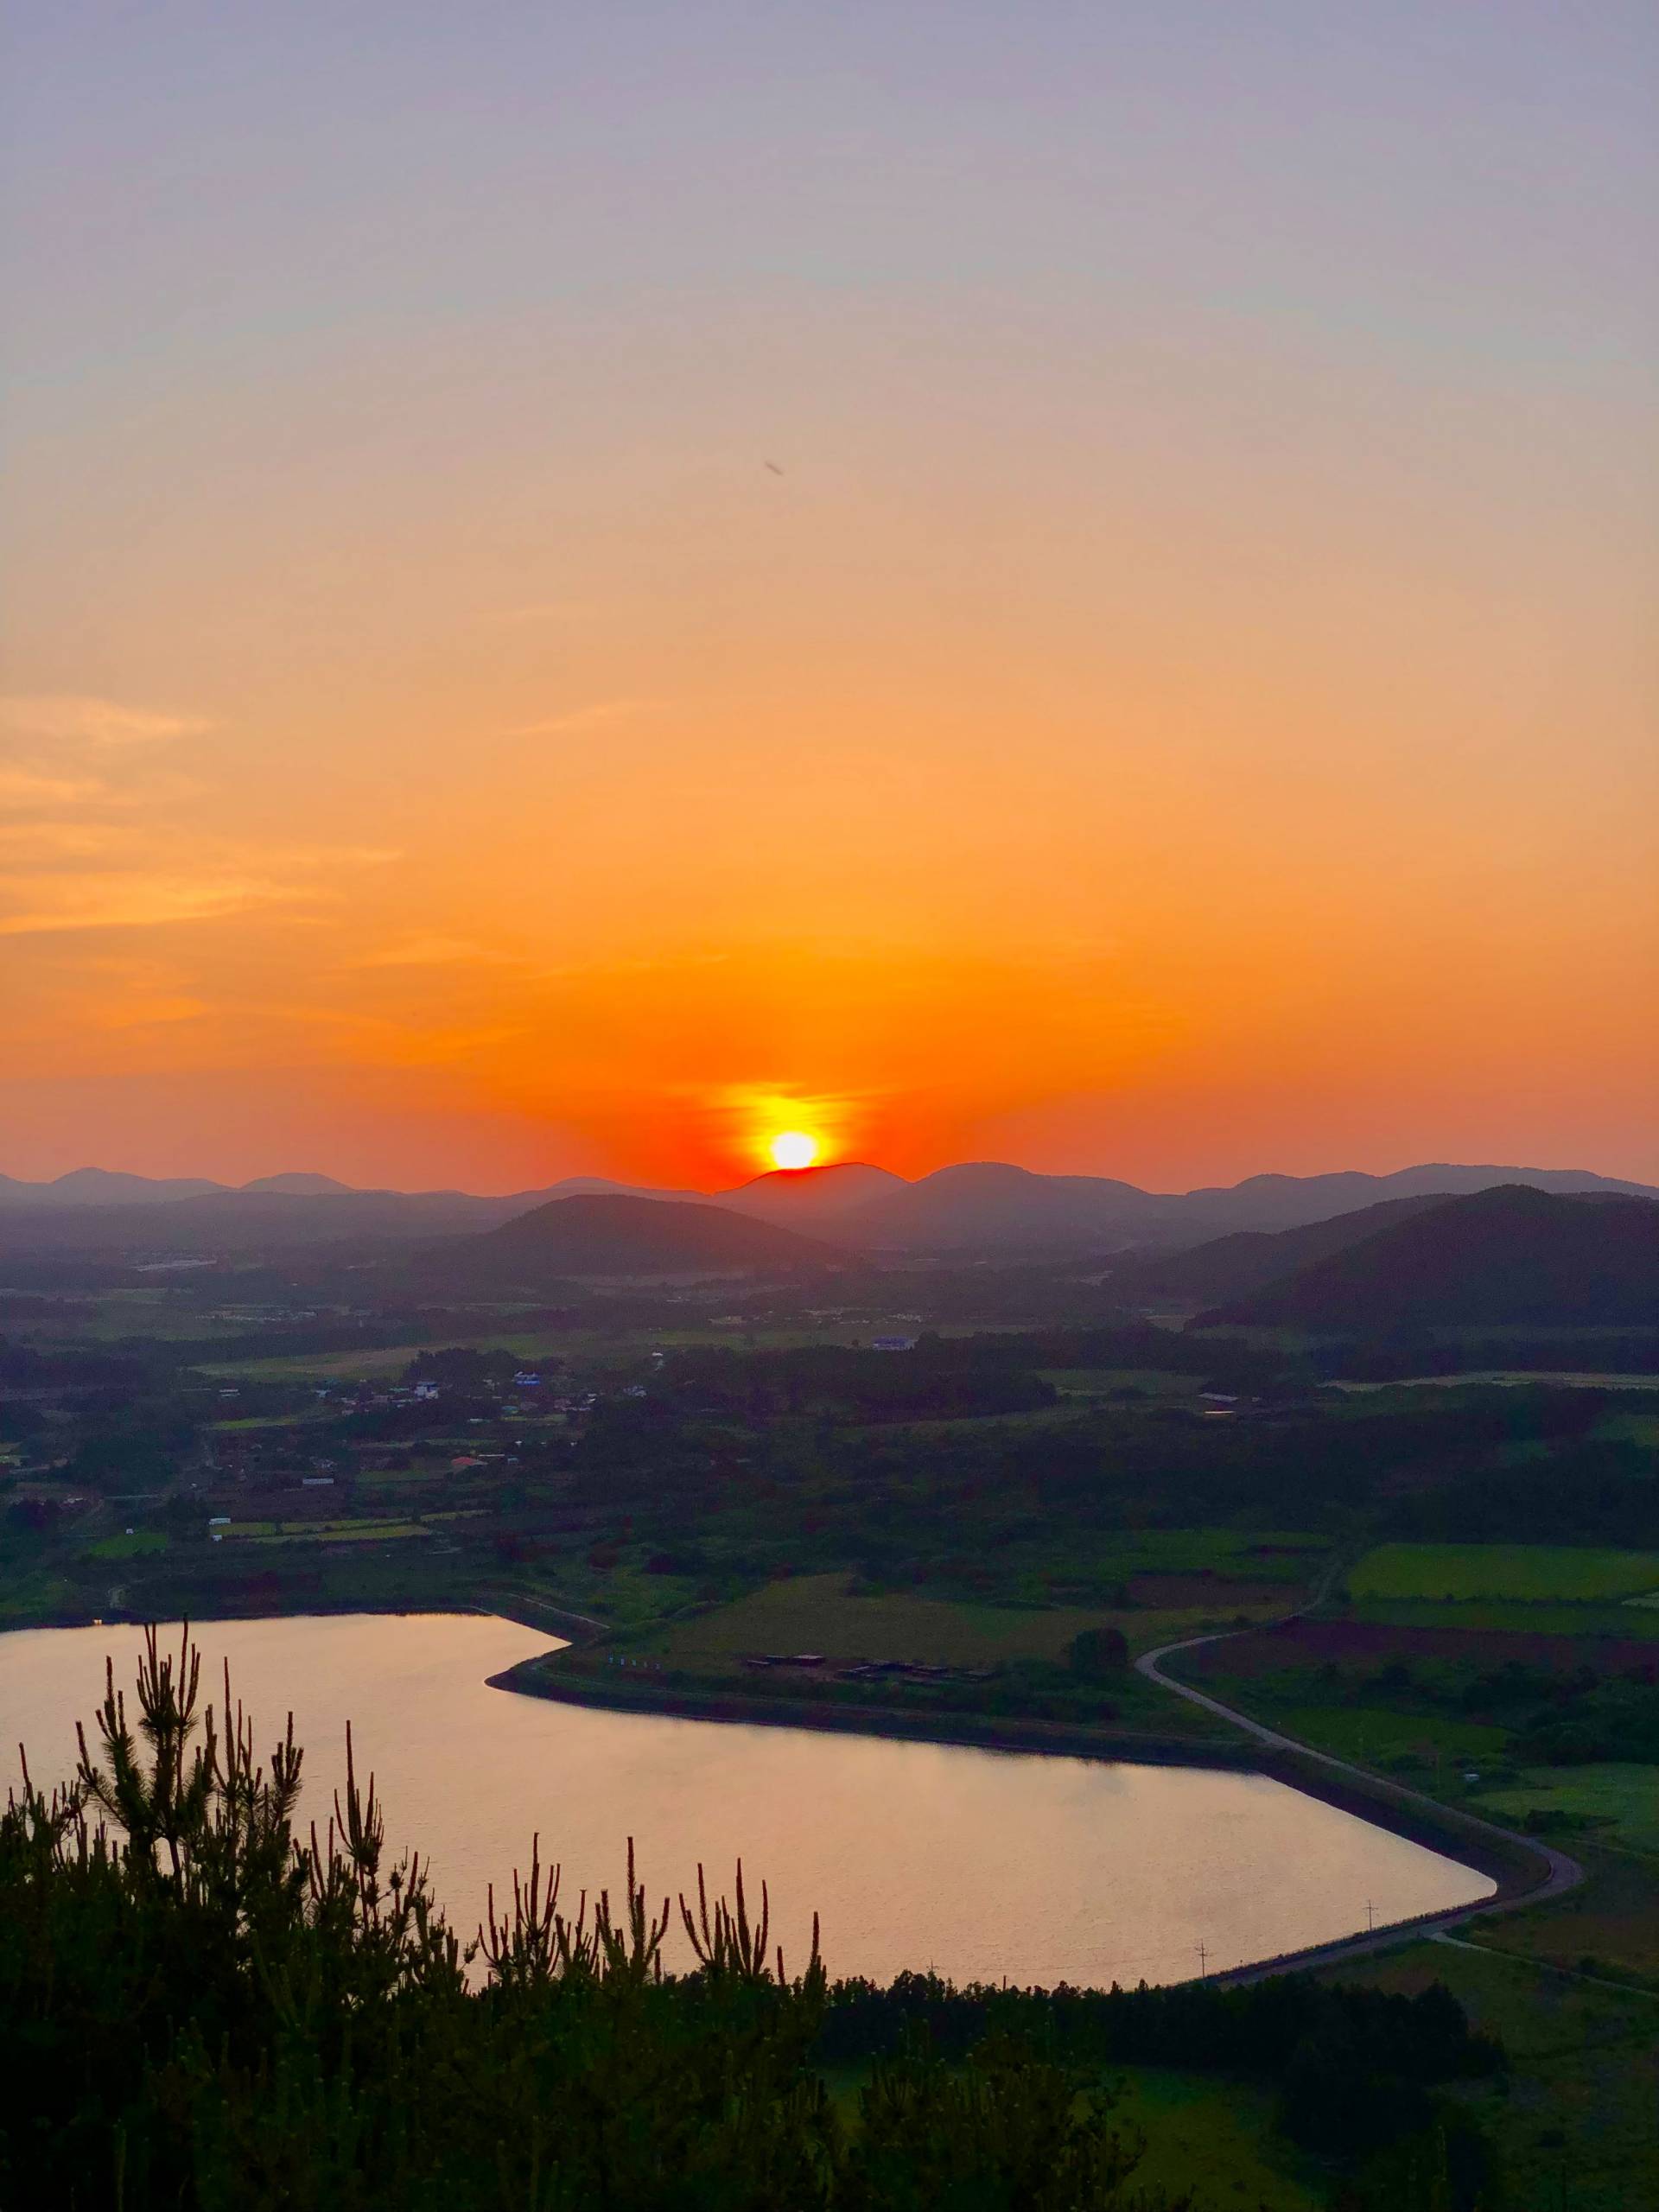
(774, 466)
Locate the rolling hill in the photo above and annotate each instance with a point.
(984, 1205)
(1250, 1259)
(813, 1198)
(1508, 1257)
(611, 1234)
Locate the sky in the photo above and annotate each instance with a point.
(1069, 583)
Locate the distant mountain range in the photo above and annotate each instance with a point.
(104, 1186)
(981, 1207)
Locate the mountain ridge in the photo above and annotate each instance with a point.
(981, 1206)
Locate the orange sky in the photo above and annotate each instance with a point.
(1181, 702)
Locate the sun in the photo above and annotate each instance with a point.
(794, 1148)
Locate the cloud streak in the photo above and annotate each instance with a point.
(115, 898)
(73, 719)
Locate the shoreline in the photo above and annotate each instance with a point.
(1523, 1869)
(966, 1731)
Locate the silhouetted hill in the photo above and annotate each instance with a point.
(300, 1186)
(593, 1187)
(104, 1186)
(984, 1204)
(1288, 1201)
(814, 1197)
(1231, 1267)
(1503, 1257)
(619, 1236)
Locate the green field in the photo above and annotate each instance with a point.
(132, 1546)
(338, 1532)
(1216, 2138)
(1375, 1737)
(1626, 1795)
(1633, 1428)
(1538, 1572)
(818, 1612)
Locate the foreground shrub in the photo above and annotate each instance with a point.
(207, 2008)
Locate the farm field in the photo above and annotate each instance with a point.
(820, 1612)
(1621, 1619)
(1531, 1572)
(339, 1532)
(135, 1543)
(1304, 1646)
(1609, 1926)
(1375, 1736)
(1507, 1379)
(1623, 1794)
(1578, 2122)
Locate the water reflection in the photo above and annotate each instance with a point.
(979, 1864)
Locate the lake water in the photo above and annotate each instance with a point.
(979, 1864)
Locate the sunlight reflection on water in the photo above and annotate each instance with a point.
(979, 1864)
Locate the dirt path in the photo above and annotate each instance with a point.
(1560, 1873)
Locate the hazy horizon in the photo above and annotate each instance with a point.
(478, 1186)
(586, 586)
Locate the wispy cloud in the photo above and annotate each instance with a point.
(68, 718)
(131, 901)
(27, 788)
(119, 897)
(51, 843)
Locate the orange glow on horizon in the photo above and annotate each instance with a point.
(1179, 704)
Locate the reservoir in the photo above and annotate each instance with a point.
(979, 1864)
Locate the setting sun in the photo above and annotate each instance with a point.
(794, 1148)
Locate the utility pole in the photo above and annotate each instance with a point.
(1203, 1960)
(1370, 1915)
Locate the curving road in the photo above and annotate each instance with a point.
(1561, 1874)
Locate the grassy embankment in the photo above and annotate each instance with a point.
(1013, 1669)
(1577, 2118)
